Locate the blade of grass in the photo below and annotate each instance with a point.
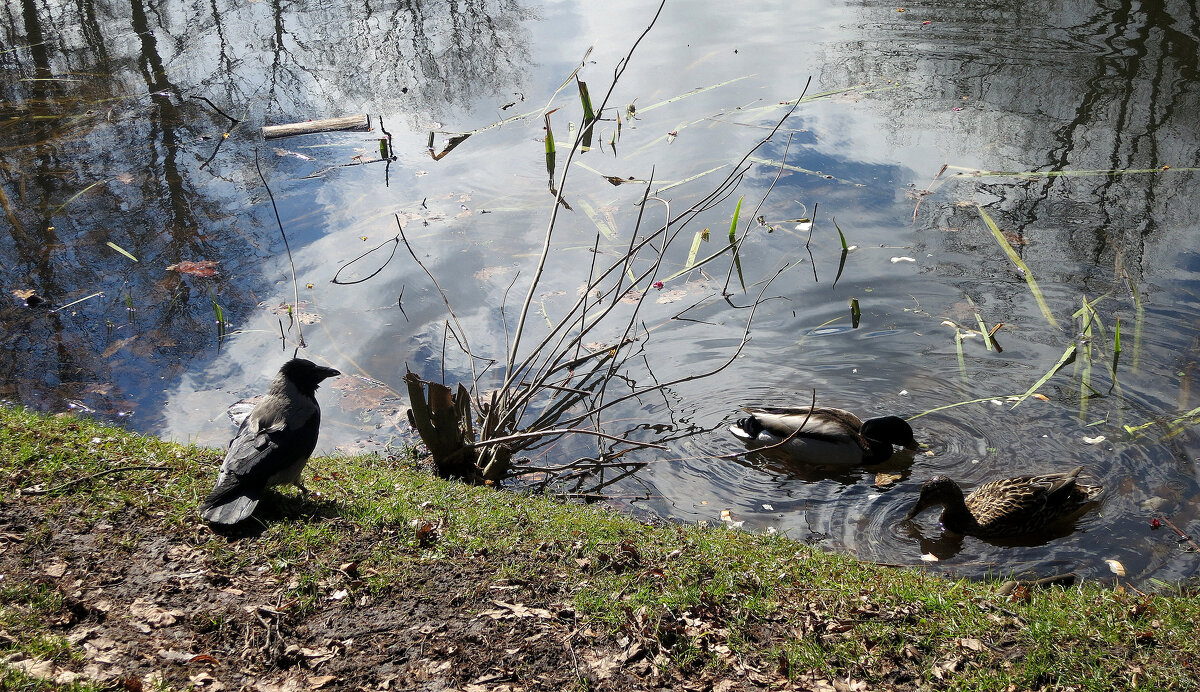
(977, 173)
(693, 92)
(76, 196)
(983, 330)
(121, 250)
(1016, 259)
(75, 302)
(1068, 356)
(1139, 313)
(962, 403)
(601, 224)
(841, 236)
(962, 362)
(737, 260)
(691, 258)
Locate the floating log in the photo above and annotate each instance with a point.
(355, 123)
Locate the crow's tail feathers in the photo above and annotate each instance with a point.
(228, 507)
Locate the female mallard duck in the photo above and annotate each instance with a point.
(1009, 507)
(824, 436)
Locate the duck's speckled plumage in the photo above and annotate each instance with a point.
(1009, 507)
(824, 436)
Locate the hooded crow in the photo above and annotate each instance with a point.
(272, 445)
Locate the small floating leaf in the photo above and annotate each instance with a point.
(200, 268)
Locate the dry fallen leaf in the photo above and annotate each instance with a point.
(152, 616)
(883, 480)
(671, 296)
(55, 569)
(200, 268)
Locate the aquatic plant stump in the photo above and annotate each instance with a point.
(443, 421)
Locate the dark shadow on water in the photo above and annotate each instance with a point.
(945, 545)
(781, 465)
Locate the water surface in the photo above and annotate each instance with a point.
(120, 140)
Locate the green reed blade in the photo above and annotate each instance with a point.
(691, 258)
(1068, 356)
(962, 403)
(121, 250)
(693, 92)
(841, 236)
(855, 313)
(608, 231)
(962, 361)
(983, 330)
(1016, 259)
(585, 100)
(737, 260)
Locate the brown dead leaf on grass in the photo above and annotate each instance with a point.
(150, 616)
(515, 610)
(55, 569)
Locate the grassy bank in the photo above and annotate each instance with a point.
(387, 578)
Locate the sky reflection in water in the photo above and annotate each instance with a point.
(128, 155)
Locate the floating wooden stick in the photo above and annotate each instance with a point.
(356, 123)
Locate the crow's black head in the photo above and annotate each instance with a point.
(305, 374)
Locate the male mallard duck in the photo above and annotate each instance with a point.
(1009, 507)
(824, 436)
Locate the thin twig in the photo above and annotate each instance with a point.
(541, 266)
(84, 479)
(465, 345)
(212, 105)
(534, 434)
(1182, 536)
(286, 246)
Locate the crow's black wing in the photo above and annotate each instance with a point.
(279, 433)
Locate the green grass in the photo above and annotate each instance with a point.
(699, 598)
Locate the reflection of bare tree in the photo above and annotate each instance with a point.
(105, 145)
(1059, 88)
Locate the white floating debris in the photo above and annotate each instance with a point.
(1116, 567)
(1093, 440)
(903, 392)
(804, 227)
(895, 260)
(929, 557)
(768, 507)
(771, 531)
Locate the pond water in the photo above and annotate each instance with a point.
(1066, 124)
